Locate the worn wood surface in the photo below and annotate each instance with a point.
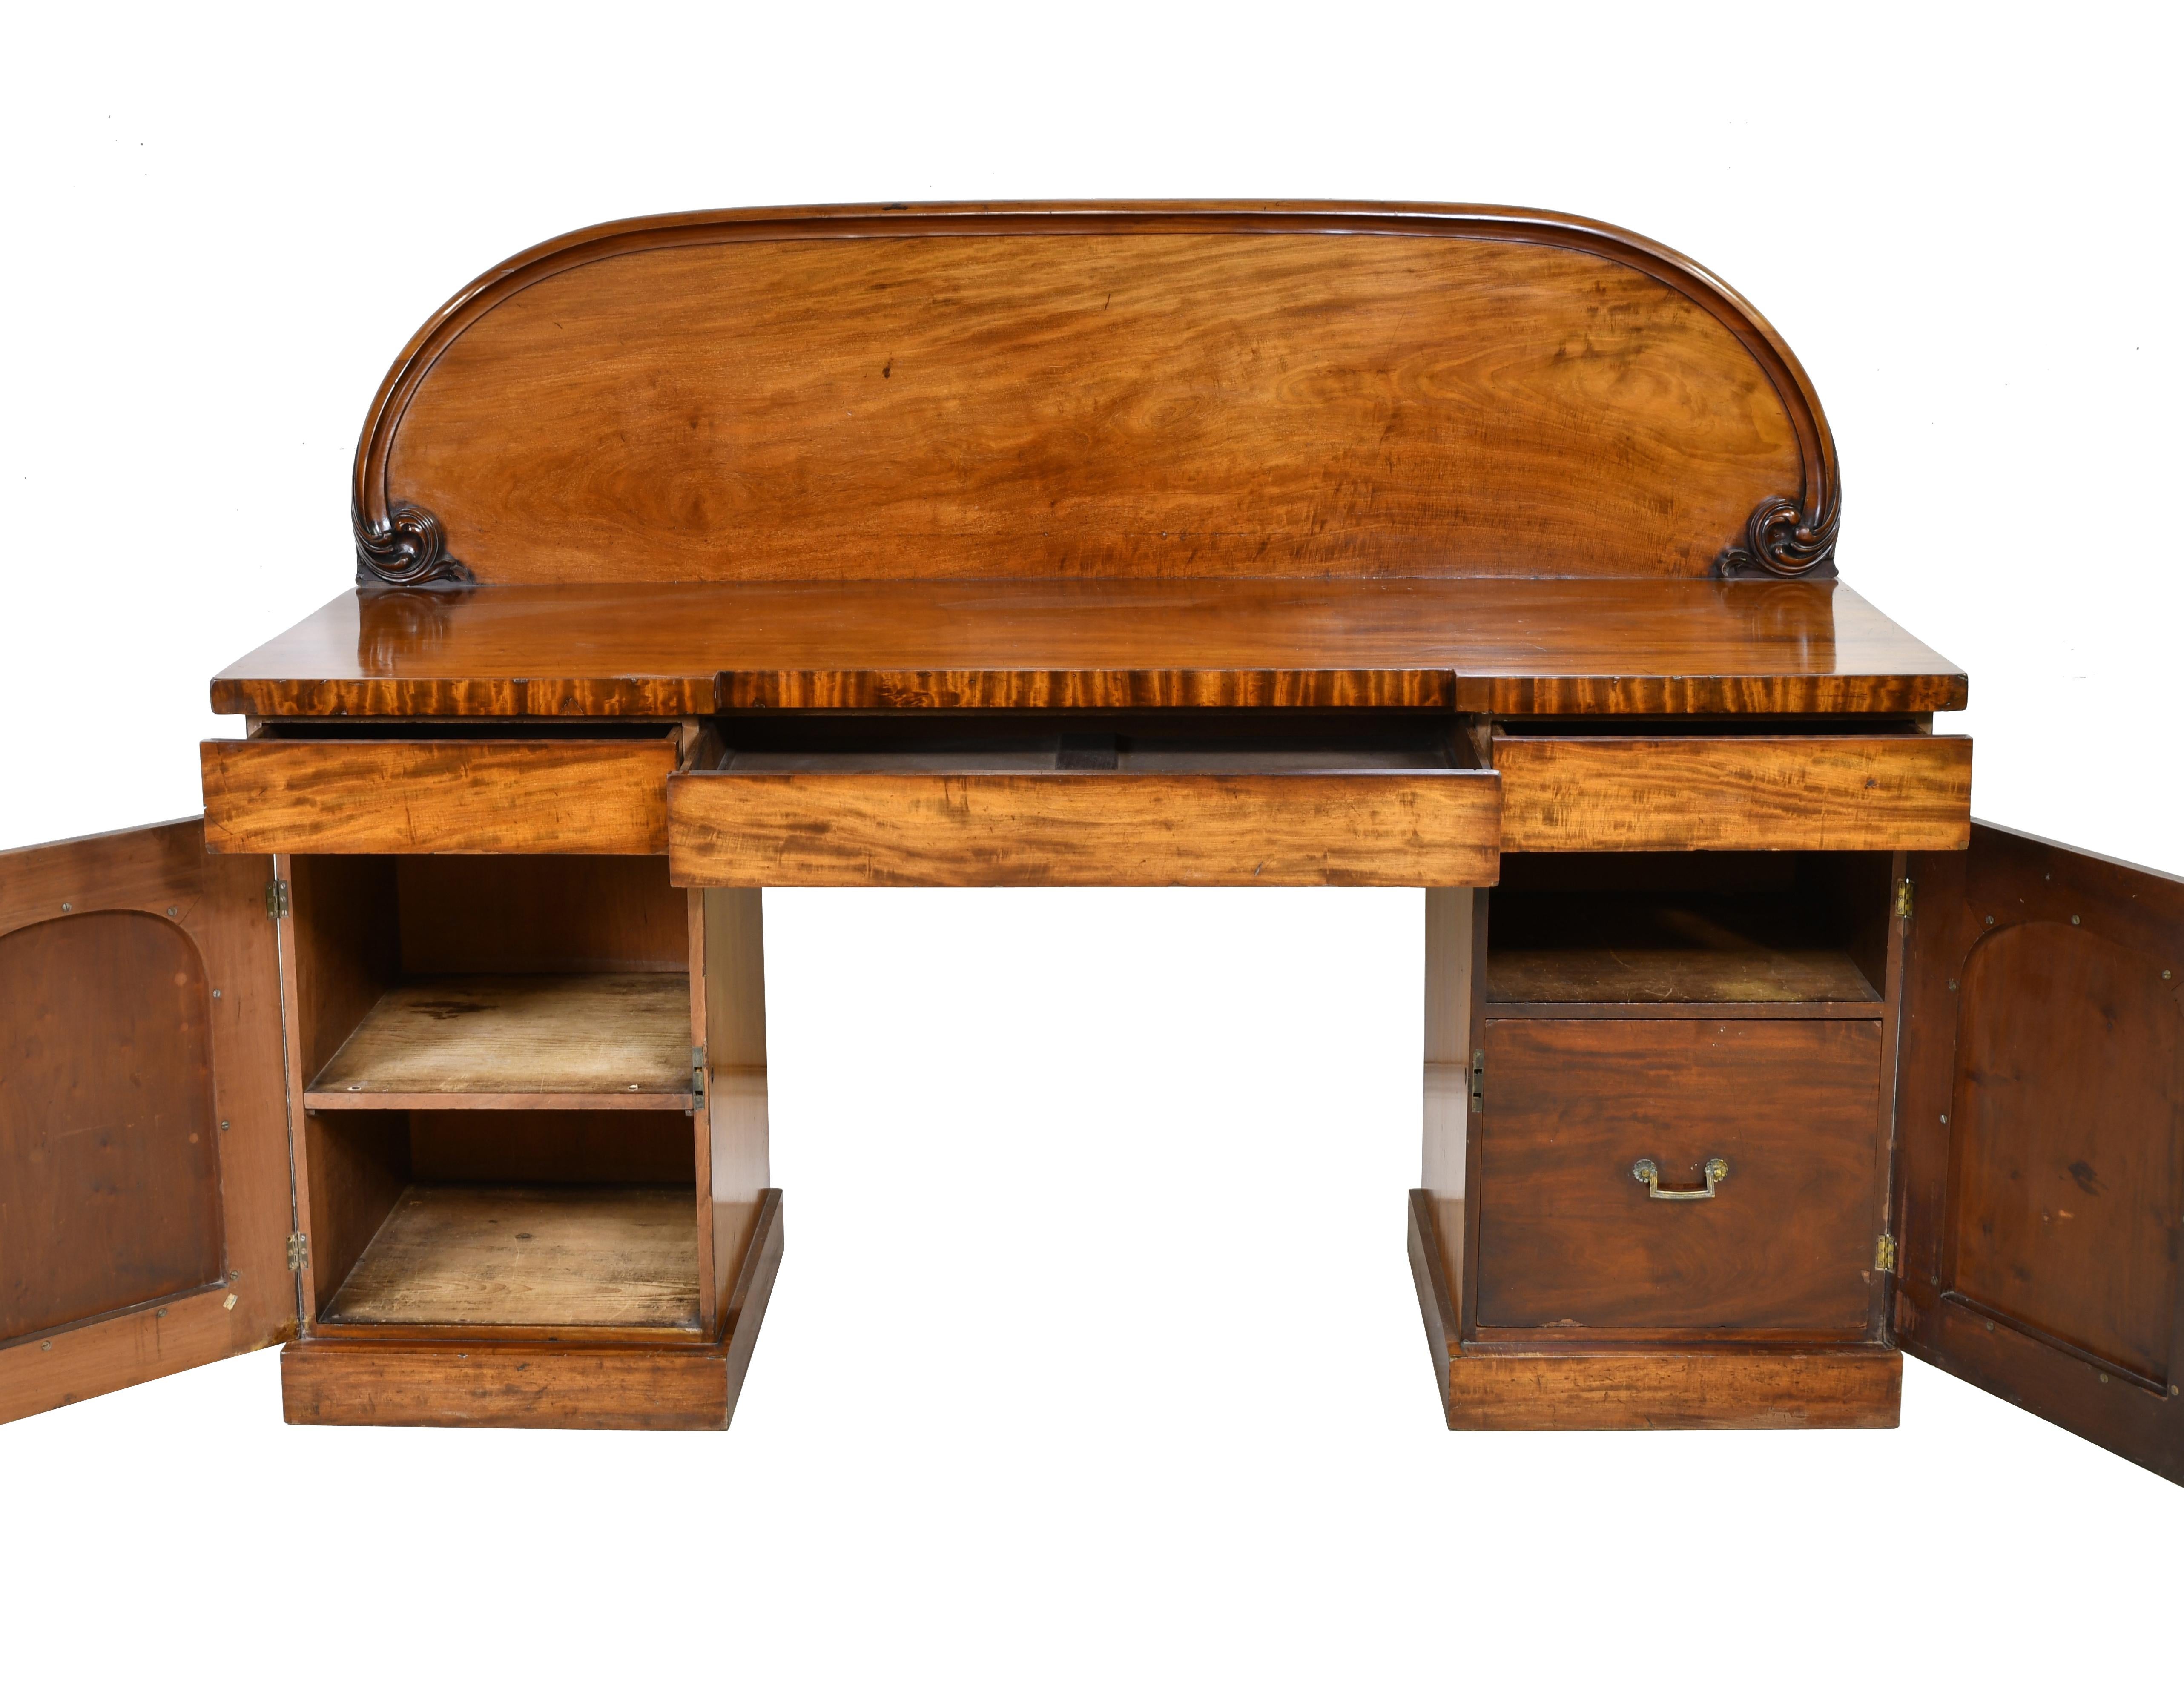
(2040, 1122)
(497, 796)
(1214, 390)
(1066, 828)
(1910, 793)
(1643, 950)
(1513, 647)
(532, 1257)
(1569, 1239)
(144, 1207)
(476, 1382)
(574, 1042)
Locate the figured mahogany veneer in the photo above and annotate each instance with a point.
(1212, 390)
(670, 649)
(268, 794)
(1772, 792)
(1064, 828)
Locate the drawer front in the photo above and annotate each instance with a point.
(1569, 1239)
(1070, 828)
(1728, 793)
(606, 796)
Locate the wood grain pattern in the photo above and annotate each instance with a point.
(496, 796)
(121, 1265)
(1567, 1239)
(1141, 390)
(478, 1383)
(529, 1256)
(107, 1128)
(2041, 1123)
(1510, 647)
(544, 914)
(1846, 794)
(1065, 828)
(1848, 1387)
(575, 1042)
(1571, 1385)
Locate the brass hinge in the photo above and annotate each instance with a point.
(1478, 1082)
(276, 899)
(1903, 900)
(299, 1252)
(697, 1078)
(1883, 1249)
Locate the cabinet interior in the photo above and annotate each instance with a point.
(498, 1095)
(1718, 929)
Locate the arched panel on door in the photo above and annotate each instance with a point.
(109, 1165)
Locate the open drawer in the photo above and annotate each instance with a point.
(1748, 785)
(1201, 799)
(344, 786)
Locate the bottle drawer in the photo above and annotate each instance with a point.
(1582, 792)
(357, 788)
(1787, 1112)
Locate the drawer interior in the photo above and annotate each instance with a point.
(496, 1057)
(1717, 929)
(1146, 743)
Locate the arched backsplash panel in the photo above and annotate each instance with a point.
(974, 392)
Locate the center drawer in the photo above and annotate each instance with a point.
(1199, 800)
(463, 787)
(1570, 1239)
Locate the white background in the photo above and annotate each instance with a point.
(1095, 1358)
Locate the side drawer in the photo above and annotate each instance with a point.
(1590, 792)
(1083, 828)
(468, 791)
(1570, 1240)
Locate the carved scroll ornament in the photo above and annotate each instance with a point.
(1780, 540)
(409, 550)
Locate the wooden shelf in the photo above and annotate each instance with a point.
(530, 1042)
(528, 1257)
(1661, 950)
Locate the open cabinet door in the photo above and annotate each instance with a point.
(144, 1184)
(2040, 1132)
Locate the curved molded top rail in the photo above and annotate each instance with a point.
(1220, 390)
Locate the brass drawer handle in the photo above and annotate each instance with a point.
(1647, 1173)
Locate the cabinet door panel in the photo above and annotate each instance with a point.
(2042, 1127)
(144, 1207)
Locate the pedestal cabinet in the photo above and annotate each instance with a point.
(1486, 552)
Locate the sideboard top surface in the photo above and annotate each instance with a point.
(1504, 646)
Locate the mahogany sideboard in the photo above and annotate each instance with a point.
(1484, 551)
